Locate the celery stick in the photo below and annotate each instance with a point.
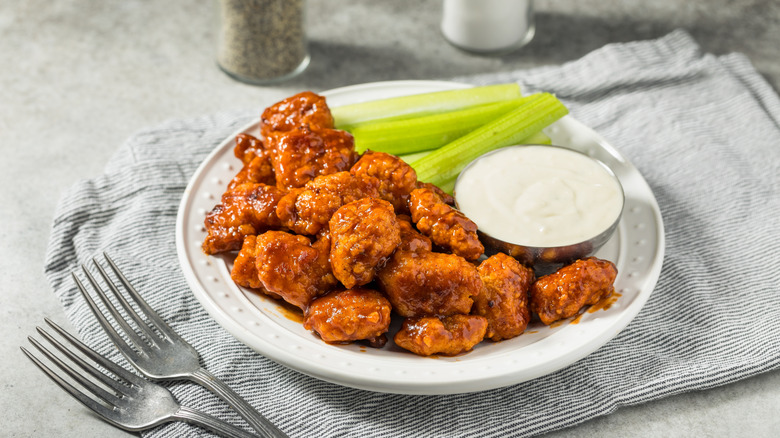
(407, 136)
(411, 158)
(449, 185)
(538, 138)
(422, 104)
(445, 163)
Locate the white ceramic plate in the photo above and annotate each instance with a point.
(276, 332)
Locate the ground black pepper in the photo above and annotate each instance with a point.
(262, 40)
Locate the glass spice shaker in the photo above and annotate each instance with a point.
(262, 41)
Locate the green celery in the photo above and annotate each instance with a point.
(424, 133)
(421, 104)
(411, 158)
(444, 164)
(449, 185)
(538, 138)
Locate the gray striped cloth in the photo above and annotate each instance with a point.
(703, 130)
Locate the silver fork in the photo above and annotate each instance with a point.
(125, 400)
(159, 353)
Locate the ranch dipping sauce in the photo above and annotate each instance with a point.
(539, 196)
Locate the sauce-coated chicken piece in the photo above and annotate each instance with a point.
(307, 210)
(427, 283)
(397, 179)
(504, 301)
(563, 293)
(300, 140)
(449, 335)
(411, 239)
(300, 155)
(247, 147)
(292, 267)
(445, 197)
(446, 226)
(244, 271)
(246, 209)
(257, 166)
(349, 315)
(304, 108)
(364, 234)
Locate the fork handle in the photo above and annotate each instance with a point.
(213, 424)
(258, 422)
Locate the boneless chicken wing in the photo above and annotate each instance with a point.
(349, 315)
(247, 147)
(449, 335)
(363, 234)
(298, 156)
(257, 166)
(427, 283)
(445, 197)
(397, 179)
(307, 210)
(304, 108)
(300, 140)
(291, 267)
(411, 239)
(504, 301)
(446, 226)
(244, 271)
(563, 293)
(246, 209)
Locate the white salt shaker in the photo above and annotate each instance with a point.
(488, 26)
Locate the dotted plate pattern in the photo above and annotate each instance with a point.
(274, 331)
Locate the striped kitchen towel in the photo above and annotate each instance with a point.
(704, 131)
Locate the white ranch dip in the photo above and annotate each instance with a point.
(539, 196)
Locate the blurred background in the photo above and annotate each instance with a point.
(79, 77)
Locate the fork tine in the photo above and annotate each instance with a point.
(107, 327)
(100, 360)
(70, 389)
(147, 309)
(78, 377)
(140, 322)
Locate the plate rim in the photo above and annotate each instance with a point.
(463, 384)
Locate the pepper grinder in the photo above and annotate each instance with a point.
(491, 27)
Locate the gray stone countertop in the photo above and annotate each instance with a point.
(81, 76)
